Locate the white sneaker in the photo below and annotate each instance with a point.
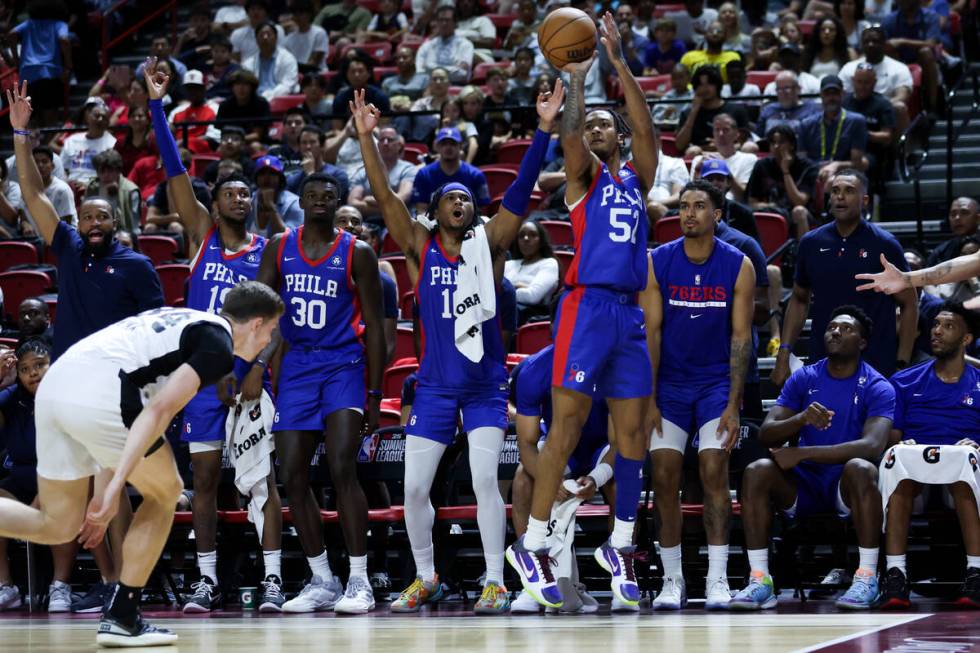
(317, 596)
(619, 606)
(59, 597)
(9, 597)
(358, 599)
(524, 604)
(718, 595)
(673, 596)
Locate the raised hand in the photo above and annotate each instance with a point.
(549, 104)
(366, 116)
(889, 281)
(156, 81)
(20, 106)
(611, 37)
(579, 66)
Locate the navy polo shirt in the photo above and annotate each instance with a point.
(96, 292)
(826, 265)
(751, 249)
(853, 136)
(431, 177)
(925, 27)
(18, 434)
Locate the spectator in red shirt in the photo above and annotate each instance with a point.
(195, 109)
(138, 141)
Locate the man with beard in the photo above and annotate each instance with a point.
(100, 281)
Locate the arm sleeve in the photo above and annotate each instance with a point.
(543, 284)
(208, 349)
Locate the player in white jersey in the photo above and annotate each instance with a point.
(102, 409)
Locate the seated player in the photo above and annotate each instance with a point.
(841, 410)
(589, 466)
(937, 403)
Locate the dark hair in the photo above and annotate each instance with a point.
(858, 10)
(266, 23)
(357, 56)
(200, 10)
(785, 131)
(735, 63)
(713, 76)
(252, 299)
(313, 79)
(219, 40)
(294, 111)
(716, 196)
(257, 3)
(319, 177)
(313, 129)
(525, 50)
(867, 324)
(40, 149)
(853, 172)
(434, 200)
(814, 45)
(34, 345)
(545, 248)
(971, 318)
(102, 198)
(233, 129)
(129, 129)
(233, 177)
(622, 127)
(451, 8)
(165, 36)
(302, 5)
(107, 159)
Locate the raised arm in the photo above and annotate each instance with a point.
(645, 145)
(580, 162)
(31, 185)
(743, 305)
(368, 281)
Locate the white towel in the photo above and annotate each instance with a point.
(929, 465)
(248, 432)
(561, 531)
(475, 299)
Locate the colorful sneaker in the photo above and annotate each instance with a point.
(863, 592)
(620, 607)
(970, 592)
(272, 596)
(59, 597)
(759, 594)
(95, 600)
(673, 596)
(418, 594)
(717, 595)
(113, 634)
(494, 600)
(524, 604)
(358, 599)
(205, 598)
(619, 563)
(536, 573)
(895, 594)
(9, 597)
(317, 596)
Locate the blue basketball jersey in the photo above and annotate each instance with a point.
(442, 365)
(323, 311)
(610, 228)
(214, 272)
(697, 316)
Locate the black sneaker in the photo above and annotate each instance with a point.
(272, 597)
(895, 592)
(205, 598)
(113, 634)
(970, 592)
(95, 600)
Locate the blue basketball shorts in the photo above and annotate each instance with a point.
(314, 384)
(817, 491)
(600, 345)
(437, 411)
(205, 415)
(690, 408)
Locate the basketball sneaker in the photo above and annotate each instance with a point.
(673, 596)
(494, 600)
(524, 604)
(317, 596)
(272, 596)
(620, 607)
(358, 599)
(717, 595)
(536, 574)
(59, 597)
(205, 598)
(970, 592)
(619, 563)
(863, 591)
(418, 594)
(895, 594)
(95, 600)
(835, 577)
(10, 597)
(380, 582)
(113, 634)
(759, 594)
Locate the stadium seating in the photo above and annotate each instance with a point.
(559, 232)
(173, 278)
(14, 252)
(19, 285)
(159, 249)
(498, 178)
(533, 337)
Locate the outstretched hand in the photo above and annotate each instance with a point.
(101, 509)
(549, 104)
(156, 81)
(579, 66)
(20, 106)
(611, 37)
(889, 281)
(366, 116)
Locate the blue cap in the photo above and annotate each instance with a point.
(714, 167)
(450, 133)
(268, 161)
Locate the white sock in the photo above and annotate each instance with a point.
(536, 535)
(273, 563)
(208, 564)
(358, 567)
(759, 560)
(622, 534)
(868, 559)
(717, 561)
(495, 567)
(320, 566)
(425, 565)
(898, 562)
(973, 562)
(670, 556)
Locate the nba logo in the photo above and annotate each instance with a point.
(697, 279)
(369, 447)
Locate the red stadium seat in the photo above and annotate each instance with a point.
(158, 249)
(498, 178)
(172, 278)
(773, 231)
(328, 75)
(660, 11)
(760, 78)
(371, 5)
(657, 83)
(389, 418)
(559, 232)
(9, 342)
(502, 22)
(389, 246)
(533, 337)
(807, 27)
(200, 162)
(512, 152)
(14, 252)
(564, 261)
(394, 376)
(513, 360)
(401, 272)
(667, 229)
(481, 69)
(614, 88)
(19, 285)
(668, 144)
(405, 305)
(404, 343)
(414, 152)
(915, 102)
(279, 104)
(380, 72)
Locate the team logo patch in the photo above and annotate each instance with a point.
(931, 455)
(967, 400)
(187, 427)
(250, 258)
(256, 413)
(890, 459)
(335, 261)
(862, 253)
(973, 461)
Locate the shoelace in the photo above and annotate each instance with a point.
(629, 557)
(200, 587)
(490, 592)
(670, 584)
(546, 562)
(894, 584)
(355, 585)
(272, 589)
(718, 582)
(415, 589)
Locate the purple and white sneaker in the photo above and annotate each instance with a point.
(534, 570)
(619, 563)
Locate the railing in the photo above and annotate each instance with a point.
(951, 134)
(910, 171)
(170, 6)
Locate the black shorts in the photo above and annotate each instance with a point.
(21, 482)
(48, 92)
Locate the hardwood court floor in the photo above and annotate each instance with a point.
(455, 629)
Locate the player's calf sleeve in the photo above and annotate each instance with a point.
(485, 444)
(628, 487)
(421, 461)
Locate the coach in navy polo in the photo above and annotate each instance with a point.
(449, 167)
(828, 259)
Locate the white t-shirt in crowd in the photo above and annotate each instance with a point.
(540, 279)
(671, 171)
(304, 44)
(58, 192)
(739, 164)
(78, 151)
(890, 75)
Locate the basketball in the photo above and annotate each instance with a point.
(567, 36)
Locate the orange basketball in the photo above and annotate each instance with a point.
(567, 36)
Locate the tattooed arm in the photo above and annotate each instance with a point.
(741, 350)
(580, 162)
(892, 280)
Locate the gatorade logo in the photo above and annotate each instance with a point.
(890, 459)
(931, 455)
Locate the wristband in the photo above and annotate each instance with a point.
(601, 474)
(22, 132)
(786, 346)
(375, 393)
(259, 361)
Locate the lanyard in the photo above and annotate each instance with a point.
(823, 137)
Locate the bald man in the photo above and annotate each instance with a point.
(964, 213)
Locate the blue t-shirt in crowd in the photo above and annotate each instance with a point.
(931, 411)
(853, 135)
(18, 436)
(774, 114)
(389, 295)
(40, 48)
(431, 177)
(664, 62)
(96, 292)
(748, 246)
(925, 27)
(287, 205)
